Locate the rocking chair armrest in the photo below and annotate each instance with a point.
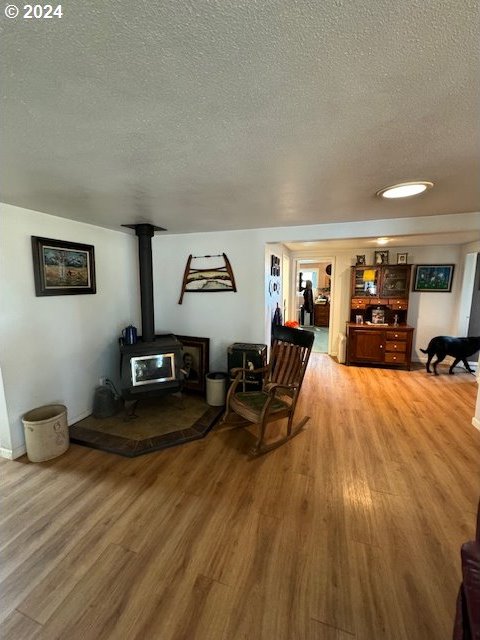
(237, 370)
(236, 373)
(271, 387)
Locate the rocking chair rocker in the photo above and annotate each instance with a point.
(281, 386)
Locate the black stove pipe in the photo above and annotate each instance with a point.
(145, 233)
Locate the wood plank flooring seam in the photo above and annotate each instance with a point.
(25, 615)
(368, 544)
(304, 475)
(331, 626)
(203, 574)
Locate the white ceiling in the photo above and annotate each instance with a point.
(233, 114)
(322, 247)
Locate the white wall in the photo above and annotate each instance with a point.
(224, 317)
(6, 448)
(54, 349)
(434, 314)
(273, 297)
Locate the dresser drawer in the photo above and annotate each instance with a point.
(394, 358)
(396, 335)
(399, 305)
(396, 346)
(369, 302)
(359, 303)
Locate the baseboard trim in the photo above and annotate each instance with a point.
(80, 416)
(13, 454)
(448, 361)
(476, 423)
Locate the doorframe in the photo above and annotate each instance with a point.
(466, 292)
(296, 259)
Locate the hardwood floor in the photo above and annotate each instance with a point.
(350, 530)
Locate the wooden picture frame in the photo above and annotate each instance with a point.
(433, 278)
(380, 256)
(274, 265)
(402, 258)
(62, 268)
(360, 260)
(195, 362)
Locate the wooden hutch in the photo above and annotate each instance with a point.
(377, 333)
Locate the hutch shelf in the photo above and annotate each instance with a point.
(377, 333)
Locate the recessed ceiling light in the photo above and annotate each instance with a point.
(404, 189)
(383, 240)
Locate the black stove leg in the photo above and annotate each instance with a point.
(130, 408)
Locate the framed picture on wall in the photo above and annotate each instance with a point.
(195, 362)
(62, 268)
(381, 257)
(433, 277)
(402, 258)
(274, 265)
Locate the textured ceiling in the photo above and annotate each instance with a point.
(420, 240)
(232, 114)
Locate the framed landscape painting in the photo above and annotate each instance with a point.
(433, 277)
(63, 268)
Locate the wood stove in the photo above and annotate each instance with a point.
(151, 365)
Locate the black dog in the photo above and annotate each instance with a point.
(458, 348)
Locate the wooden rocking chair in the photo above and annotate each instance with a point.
(282, 382)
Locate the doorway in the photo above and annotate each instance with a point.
(469, 304)
(314, 310)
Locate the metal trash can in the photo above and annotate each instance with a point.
(46, 432)
(216, 386)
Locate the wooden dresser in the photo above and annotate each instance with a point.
(386, 346)
(321, 315)
(380, 290)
